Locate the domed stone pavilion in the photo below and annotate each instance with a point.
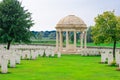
(70, 23)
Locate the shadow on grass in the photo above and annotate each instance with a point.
(5, 73)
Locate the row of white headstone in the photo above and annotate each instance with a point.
(15, 55)
(89, 52)
(107, 56)
(8, 57)
(36, 47)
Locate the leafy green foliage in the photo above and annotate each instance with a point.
(15, 22)
(41, 35)
(89, 35)
(71, 37)
(107, 29)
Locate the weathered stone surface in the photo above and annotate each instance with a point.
(12, 60)
(110, 57)
(4, 64)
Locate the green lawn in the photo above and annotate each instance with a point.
(104, 45)
(53, 42)
(68, 67)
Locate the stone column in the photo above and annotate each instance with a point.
(67, 40)
(74, 40)
(85, 39)
(57, 39)
(60, 40)
(81, 37)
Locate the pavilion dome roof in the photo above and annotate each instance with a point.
(71, 21)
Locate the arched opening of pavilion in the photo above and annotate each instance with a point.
(74, 24)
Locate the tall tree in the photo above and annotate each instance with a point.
(89, 35)
(15, 22)
(107, 29)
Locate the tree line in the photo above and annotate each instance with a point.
(39, 35)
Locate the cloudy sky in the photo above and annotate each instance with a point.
(47, 13)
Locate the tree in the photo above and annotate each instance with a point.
(15, 22)
(107, 29)
(51, 35)
(40, 35)
(89, 35)
(71, 37)
(64, 36)
(78, 37)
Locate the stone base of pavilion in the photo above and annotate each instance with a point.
(70, 51)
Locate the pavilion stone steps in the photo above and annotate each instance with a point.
(71, 49)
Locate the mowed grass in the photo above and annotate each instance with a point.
(53, 42)
(103, 45)
(68, 67)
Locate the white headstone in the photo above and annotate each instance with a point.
(0, 58)
(110, 57)
(41, 52)
(103, 56)
(52, 53)
(18, 58)
(28, 55)
(37, 53)
(23, 55)
(82, 52)
(59, 54)
(4, 64)
(33, 54)
(117, 57)
(12, 60)
(47, 52)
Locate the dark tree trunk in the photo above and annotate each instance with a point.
(114, 47)
(8, 45)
